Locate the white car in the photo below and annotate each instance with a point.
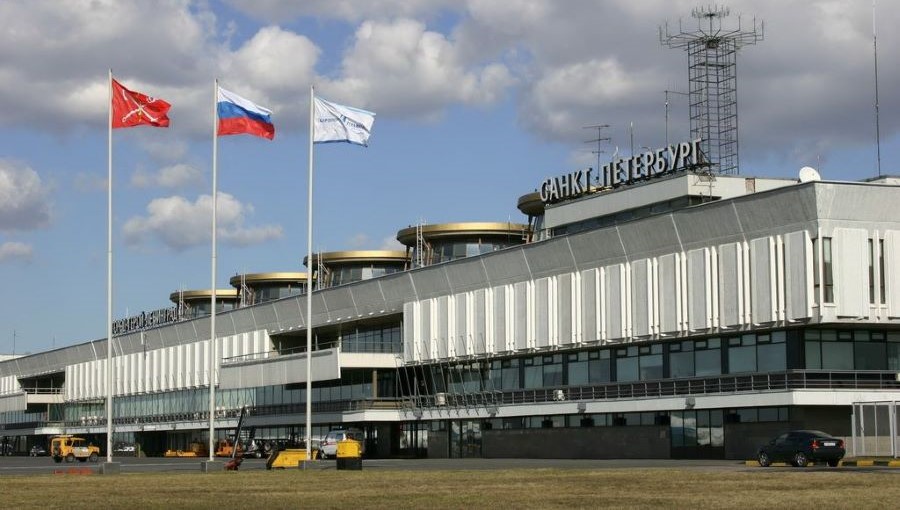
(328, 446)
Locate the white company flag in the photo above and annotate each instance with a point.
(338, 123)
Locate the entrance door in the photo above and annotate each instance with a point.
(697, 434)
(465, 439)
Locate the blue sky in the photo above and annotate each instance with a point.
(477, 103)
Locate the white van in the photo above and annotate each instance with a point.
(328, 446)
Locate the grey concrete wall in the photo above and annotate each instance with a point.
(742, 440)
(644, 442)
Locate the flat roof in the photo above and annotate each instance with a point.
(407, 235)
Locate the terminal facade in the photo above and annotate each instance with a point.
(675, 315)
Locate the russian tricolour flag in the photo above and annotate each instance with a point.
(239, 116)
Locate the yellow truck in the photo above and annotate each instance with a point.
(70, 448)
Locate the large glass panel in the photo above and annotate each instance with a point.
(741, 359)
(553, 370)
(534, 377)
(511, 375)
(870, 356)
(676, 428)
(813, 354)
(578, 369)
(681, 364)
(893, 355)
(837, 355)
(703, 432)
(827, 271)
(771, 357)
(708, 362)
(599, 367)
(651, 367)
(717, 429)
(627, 369)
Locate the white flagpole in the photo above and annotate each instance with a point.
(309, 286)
(109, 265)
(211, 359)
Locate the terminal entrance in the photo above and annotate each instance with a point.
(697, 434)
(465, 439)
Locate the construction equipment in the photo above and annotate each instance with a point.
(349, 454)
(69, 447)
(289, 458)
(196, 449)
(235, 462)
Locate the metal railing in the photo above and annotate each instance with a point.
(723, 384)
(791, 380)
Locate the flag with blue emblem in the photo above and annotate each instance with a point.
(338, 123)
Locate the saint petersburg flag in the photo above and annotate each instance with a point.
(238, 116)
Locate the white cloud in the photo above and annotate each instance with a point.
(24, 204)
(280, 11)
(180, 175)
(567, 64)
(403, 68)
(61, 50)
(180, 224)
(14, 250)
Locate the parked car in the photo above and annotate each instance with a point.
(328, 446)
(800, 447)
(123, 450)
(37, 451)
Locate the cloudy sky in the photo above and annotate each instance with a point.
(477, 102)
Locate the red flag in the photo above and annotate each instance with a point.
(131, 109)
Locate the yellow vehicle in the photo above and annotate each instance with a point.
(196, 449)
(70, 448)
(225, 448)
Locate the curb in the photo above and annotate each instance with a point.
(844, 463)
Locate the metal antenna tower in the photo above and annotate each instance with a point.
(599, 140)
(712, 51)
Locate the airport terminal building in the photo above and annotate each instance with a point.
(655, 313)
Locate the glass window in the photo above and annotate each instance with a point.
(510, 374)
(871, 272)
(578, 369)
(681, 364)
(827, 270)
(881, 269)
(651, 366)
(627, 369)
(599, 367)
(553, 370)
(741, 359)
(534, 376)
(870, 355)
(771, 357)
(813, 354)
(708, 362)
(837, 355)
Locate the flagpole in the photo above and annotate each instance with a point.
(211, 359)
(109, 265)
(309, 286)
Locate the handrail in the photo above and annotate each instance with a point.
(790, 380)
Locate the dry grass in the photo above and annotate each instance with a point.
(537, 488)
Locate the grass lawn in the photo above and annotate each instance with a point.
(533, 488)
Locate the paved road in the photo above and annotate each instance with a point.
(45, 465)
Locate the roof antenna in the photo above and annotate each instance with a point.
(877, 123)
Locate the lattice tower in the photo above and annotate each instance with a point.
(712, 76)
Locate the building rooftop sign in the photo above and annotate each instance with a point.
(623, 171)
(146, 320)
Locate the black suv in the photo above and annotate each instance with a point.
(800, 447)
